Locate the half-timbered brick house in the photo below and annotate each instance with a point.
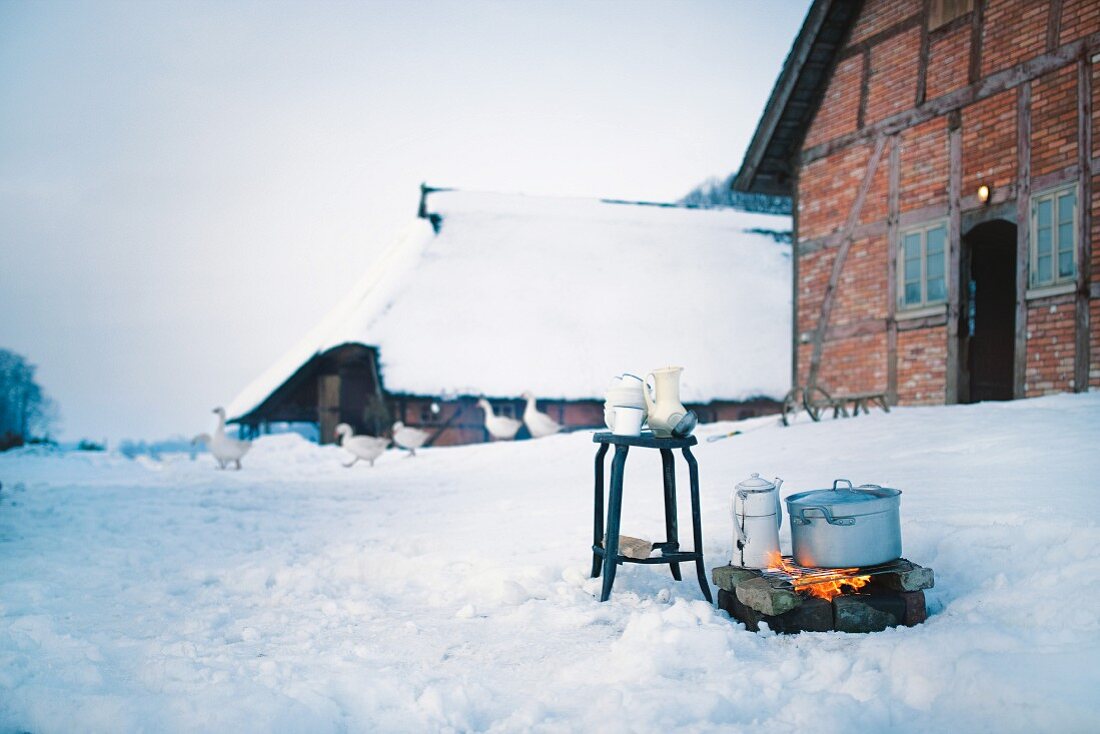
(943, 159)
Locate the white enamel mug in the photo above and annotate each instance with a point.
(628, 420)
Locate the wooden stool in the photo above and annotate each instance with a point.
(609, 557)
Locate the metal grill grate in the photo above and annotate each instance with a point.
(809, 576)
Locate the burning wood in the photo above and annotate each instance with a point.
(822, 583)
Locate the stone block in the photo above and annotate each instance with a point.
(812, 615)
(868, 612)
(910, 578)
(758, 594)
(727, 577)
(915, 609)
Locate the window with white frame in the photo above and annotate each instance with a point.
(922, 266)
(1054, 237)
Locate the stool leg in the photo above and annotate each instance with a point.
(697, 524)
(597, 523)
(614, 514)
(671, 532)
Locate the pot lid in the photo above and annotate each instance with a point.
(847, 500)
(755, 483)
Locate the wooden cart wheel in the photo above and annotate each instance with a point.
(817, 401)
(792, 403)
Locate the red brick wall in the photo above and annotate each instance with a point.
(989, 142)
(1054, 121)
(813, 275)
(923, 162)
(861, 290)
(892, 86)
(878, 15)
(1079, 18)
(948, 62)
(855, 364)
(834, 182)
(922, 360)
(1094, 343)
(1050, 345)
(1012, 31)
(840, 106)
(1094, 305)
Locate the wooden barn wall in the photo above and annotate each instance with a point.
(914, 119)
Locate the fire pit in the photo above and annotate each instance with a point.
(792, 598)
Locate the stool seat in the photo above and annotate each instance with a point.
(607, 559)
(646, 440)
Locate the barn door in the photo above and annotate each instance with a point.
(989, 312)
(328, 406)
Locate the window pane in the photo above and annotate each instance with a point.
(936, 237)
(1042, 214)
(1066, 204)
(1065, 264)
(912, 293)
(1043, 241)
(1044, 269)
(934, 269)
(936, 290)
(912, 246)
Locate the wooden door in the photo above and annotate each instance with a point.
(328, 406)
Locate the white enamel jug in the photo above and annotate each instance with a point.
(664, 407)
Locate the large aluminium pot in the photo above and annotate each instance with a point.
(845, 526)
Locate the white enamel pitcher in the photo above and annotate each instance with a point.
(664, 407)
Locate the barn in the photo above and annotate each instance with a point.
(497, 294)
(942, 159)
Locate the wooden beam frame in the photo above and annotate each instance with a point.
(795, 255)
(974, 68)
(1054, 24)
(922, 68)
(954, 184)
(893, 205)
(1011, 78)
(1084, 223)
(1023, 235)
(841, 256)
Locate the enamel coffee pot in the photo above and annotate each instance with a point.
(756, 520)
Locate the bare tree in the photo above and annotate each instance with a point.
(26, 412)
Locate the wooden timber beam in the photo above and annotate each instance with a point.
(1001, 81)
(893, 205)
(1084, 223)
(954, 186)
(1023, 234)
(841, 256)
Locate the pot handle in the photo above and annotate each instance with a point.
(826, 513)
(850, 487)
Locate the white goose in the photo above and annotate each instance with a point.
(363, 447)
(223, 448)
(500, 427)
(538, 423)
(408, 438)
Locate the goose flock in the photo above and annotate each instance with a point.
(227, 450)
(503, 428)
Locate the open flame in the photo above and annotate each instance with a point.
(836, 583)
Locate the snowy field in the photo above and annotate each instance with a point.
(449, 592)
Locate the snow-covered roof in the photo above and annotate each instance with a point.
(557, 295)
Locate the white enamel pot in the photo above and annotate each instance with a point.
(845, 526)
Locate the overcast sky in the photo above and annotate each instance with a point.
(187, 187)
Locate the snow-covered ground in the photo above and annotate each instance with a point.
(449, 592)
